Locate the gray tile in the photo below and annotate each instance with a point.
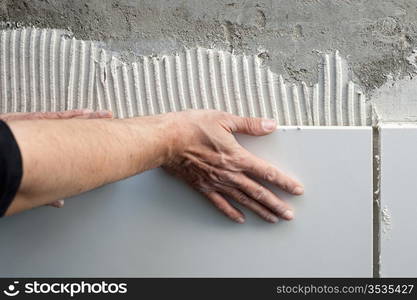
(153, 225)
(398, 201)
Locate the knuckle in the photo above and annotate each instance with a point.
(265, 215)
(205, 189)
(259, 193)
(247, 123)
(196, 182)
(287, 184)
(280, 208)
(221, 206)
(61, 115)
(270, 217)
(234, 215)
(220, 178)
(251, 123)
(270, 174)
(227, 177)
(242, 198)
(217, 185)
(222, 160)
(238, 158)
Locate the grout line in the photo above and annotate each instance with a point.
(91, 77)
(116, 87)
(13, 72)
(326, 90)
(351, 107)
(104, 78)
(376, 161)
(273, 96)
(213, 81)
(81, 75)
(126, 90)
(52, 68)
(158, 85)
(339, 89)
(180, 81)
(201, 57)
(249, 95)
(42, 70)
(190, 78)
(22, 64)
(32, 69)
(223, 76)
(172, 97)
(316, 109)
(99, 92)
(236, 88)
(362, 107)
(297, 107)
(259, 89)
(62, 73)
(148, 90)
(286, 109)
(4, 73)
(72, 63)
(307, 103)
(138, 92)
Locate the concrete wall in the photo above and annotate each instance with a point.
(376, 37)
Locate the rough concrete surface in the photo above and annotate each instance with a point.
(377, 37)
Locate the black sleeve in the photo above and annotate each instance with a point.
(11, 169)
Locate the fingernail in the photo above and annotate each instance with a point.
(61, 203)
(288, 214)
(240, 220)
(269, 125)
(299, 190)
(273, 219)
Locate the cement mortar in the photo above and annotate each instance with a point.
(376, 37)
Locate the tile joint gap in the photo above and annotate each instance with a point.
(376, 168)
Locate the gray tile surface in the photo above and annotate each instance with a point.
(153, 225)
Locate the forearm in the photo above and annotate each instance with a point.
(62, 158)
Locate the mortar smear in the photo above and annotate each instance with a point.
(46, 70)
(386, 220)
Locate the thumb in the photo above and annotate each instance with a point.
(253, 126)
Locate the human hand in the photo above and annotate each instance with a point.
(68, 114)
(207, 156)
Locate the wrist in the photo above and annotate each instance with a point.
(158, 134)
(171, 128)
